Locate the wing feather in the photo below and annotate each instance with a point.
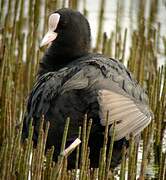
(124, 111)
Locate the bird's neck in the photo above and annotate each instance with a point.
(55, 59)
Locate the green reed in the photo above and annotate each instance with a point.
(19, 58)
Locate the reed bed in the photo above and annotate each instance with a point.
(22, 24)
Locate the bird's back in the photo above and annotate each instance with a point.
(89, 85)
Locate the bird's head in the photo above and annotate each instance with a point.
(68, 32)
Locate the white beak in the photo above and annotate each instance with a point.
(48, 38)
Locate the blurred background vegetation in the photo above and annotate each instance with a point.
(133, 32)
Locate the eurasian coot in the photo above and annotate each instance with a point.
(72, 82)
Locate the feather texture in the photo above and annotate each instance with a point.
(124, 111)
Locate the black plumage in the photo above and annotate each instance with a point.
(73, 82)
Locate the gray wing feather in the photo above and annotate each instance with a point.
(78, 81)
(124, 111)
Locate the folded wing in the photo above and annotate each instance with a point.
(124, 111)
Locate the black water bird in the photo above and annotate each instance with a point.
(72, 82)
